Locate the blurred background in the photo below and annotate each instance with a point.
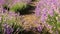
(29, 16)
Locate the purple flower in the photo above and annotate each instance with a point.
(37, 12)
(44, 15)
(39, 28)
(45, 7)
(26, 1)
(7, 29)
(2, 2)
(23, 1)
(50, 5)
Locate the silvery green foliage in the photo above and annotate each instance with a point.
(18, 6)
(53, 21)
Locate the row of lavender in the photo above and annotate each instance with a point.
(47, 12)
(11, 22)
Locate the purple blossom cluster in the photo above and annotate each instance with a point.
(45, 7)
(13, 1)
(7, 29)
(2, 2)
(39, 28)
(49, 5)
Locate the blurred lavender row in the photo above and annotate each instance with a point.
(12, 22)
(48, 6)
(45, 7)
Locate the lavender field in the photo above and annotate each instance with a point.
(29, 16)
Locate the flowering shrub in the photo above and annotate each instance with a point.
(54, 22)
(18, 6)
(45, 7)
(45, 20)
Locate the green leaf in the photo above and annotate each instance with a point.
(18, 6)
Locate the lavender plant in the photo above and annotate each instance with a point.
(54, 22)
(9, 23)
(7, 29)
(45, 7)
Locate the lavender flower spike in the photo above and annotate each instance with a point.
(8, 29)
(39, 28)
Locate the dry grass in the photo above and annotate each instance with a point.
(30, 21)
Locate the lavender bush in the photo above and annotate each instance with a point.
(54, 22)
(45, 7)
(46, 19)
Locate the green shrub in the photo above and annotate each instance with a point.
(18, 6)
